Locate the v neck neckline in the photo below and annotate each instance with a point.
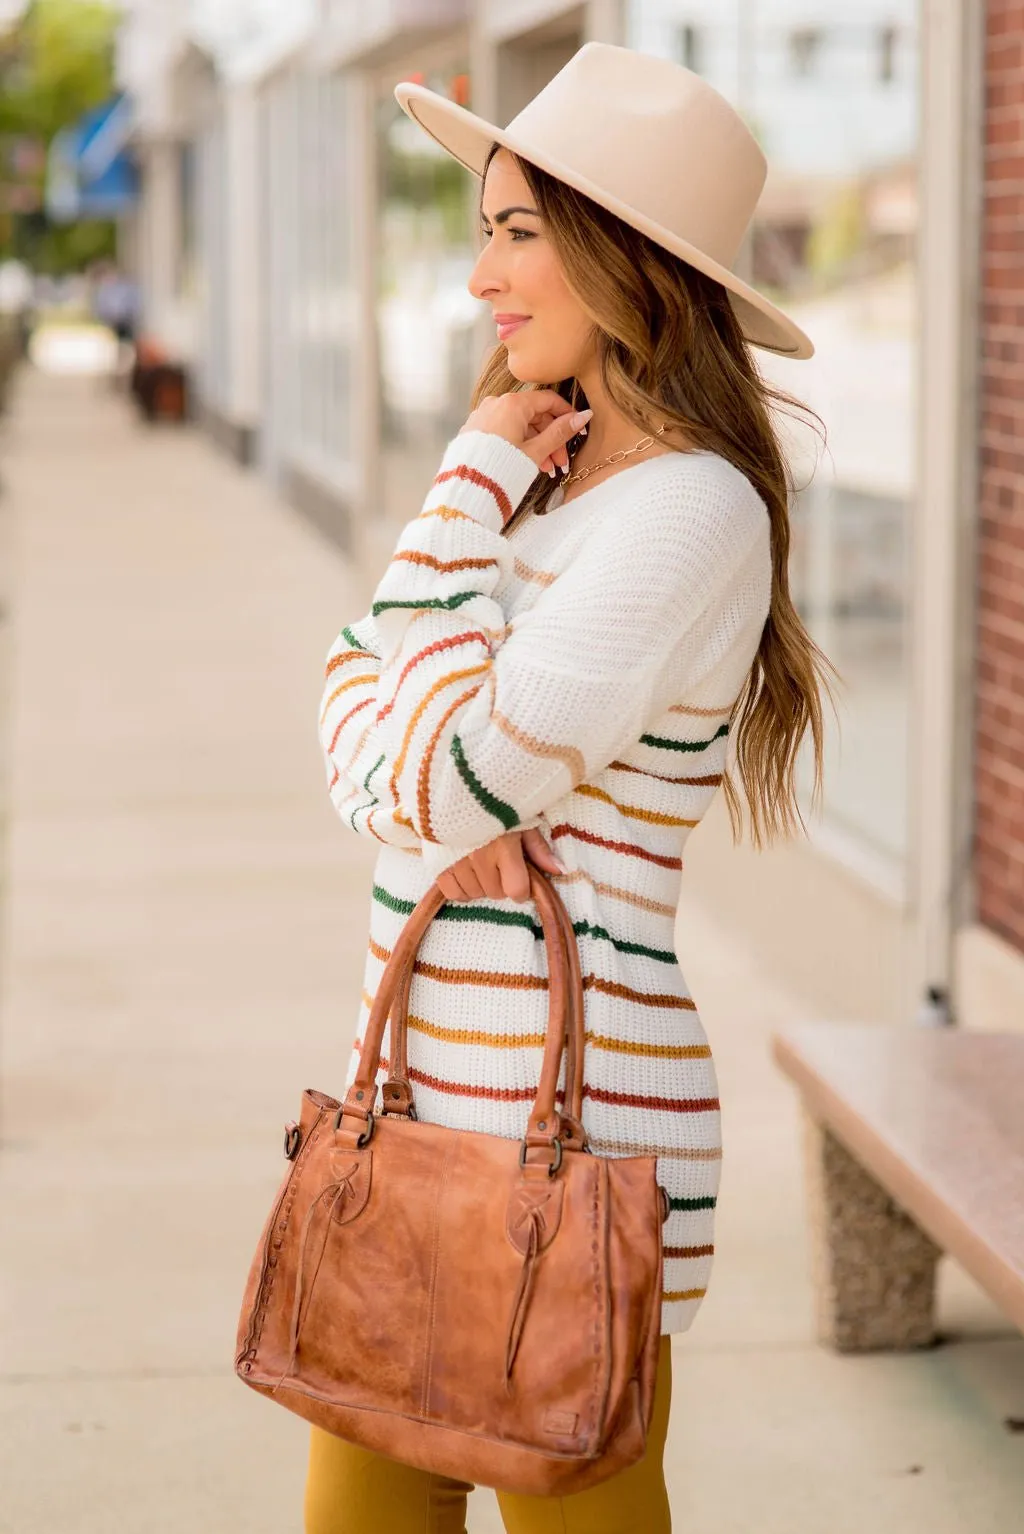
(619, 474)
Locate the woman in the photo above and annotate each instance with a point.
(554, 671)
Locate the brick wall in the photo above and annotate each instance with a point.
(999, 742)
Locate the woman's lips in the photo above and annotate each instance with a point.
(505, 330)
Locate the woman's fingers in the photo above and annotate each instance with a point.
(499, 870)
(538, 851)
(487, 870)
(554, 437)
(511, 866)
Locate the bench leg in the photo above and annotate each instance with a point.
(874, 1269)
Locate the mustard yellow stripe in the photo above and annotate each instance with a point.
(421, 708)
(353, 681)
(633, 811)
(670, 1296)
(485, 1040)
(446, 513)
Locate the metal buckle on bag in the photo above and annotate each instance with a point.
(292, 1140)
(367, 1134)
(555, 1164)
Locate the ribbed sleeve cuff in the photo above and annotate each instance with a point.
(497, 459)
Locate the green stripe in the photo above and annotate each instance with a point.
(684, 745)
(692, 1203)
(463, 911)
(374, 801)
(447, 603)
(373, 769)
(347, 633)
(496, 807)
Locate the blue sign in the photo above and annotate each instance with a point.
(90, 172)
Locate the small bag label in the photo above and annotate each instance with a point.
(561, 1422)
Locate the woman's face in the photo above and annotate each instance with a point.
(549, 337)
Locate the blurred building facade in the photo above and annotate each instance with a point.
(306, 248)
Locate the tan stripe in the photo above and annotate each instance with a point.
(420, 709)
(417, 557)
(580, 876)
(670, 1296)
(669, 1152)
(701, 713)
(353, 681)
(571, 759)
(633, 811)
(528, 573)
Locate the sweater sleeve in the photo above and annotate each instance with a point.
(483, 736)
(358, 774)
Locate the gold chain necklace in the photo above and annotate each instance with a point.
(623, 452)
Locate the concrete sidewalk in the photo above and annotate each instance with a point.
(185, 925)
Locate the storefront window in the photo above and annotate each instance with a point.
(831, 94)
(425, 313)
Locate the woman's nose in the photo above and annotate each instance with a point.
(484, 279)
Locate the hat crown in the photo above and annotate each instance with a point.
(654, 135)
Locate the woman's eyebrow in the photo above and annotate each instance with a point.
(506, 214)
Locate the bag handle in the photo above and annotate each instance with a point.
(354, 1120)
(397, 1094)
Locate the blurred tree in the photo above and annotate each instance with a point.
(56, 62)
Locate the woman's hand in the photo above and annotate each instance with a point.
(539, 421)
(498, 871)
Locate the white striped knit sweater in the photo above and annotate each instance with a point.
(577, 675)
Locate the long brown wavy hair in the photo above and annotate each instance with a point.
(670, 349)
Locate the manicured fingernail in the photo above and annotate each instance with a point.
(551, 471)
(560, 865)
(582, 431)
(579, 418)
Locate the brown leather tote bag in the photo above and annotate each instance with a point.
(481, 1308)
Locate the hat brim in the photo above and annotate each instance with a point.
(468, 138)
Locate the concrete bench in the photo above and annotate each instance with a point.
(915, 1147)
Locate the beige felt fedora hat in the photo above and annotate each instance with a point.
(650, 141)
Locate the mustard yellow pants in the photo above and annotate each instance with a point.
(351, 1491)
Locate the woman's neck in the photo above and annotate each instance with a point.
(609, 431)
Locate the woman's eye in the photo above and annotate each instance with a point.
(525, 234)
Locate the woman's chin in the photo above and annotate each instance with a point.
(525, 369)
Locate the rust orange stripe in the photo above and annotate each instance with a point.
(564, 829)
(342, 660)
(417, 557)
(651, 1104)
(344, 721)
(709, 780)
(483, 481)
(670, 1296)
